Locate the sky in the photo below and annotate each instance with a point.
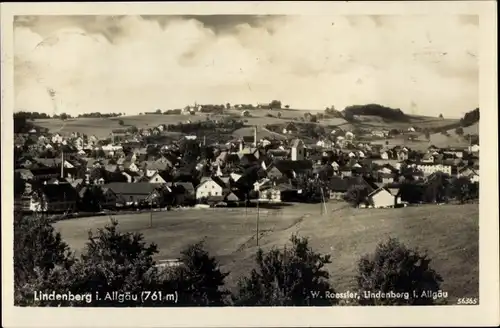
(423, 65)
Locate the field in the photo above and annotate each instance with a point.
(450, 233)
(101, 127)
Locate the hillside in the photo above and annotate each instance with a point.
(375, 110)
(450, 233)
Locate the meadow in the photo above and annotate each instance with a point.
(101, 127)
(450, 234)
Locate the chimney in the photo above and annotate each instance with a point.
(241, 145)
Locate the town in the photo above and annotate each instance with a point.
(299, 160)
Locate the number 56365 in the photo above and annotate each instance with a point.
(467, 301)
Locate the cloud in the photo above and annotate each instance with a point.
(134, 64)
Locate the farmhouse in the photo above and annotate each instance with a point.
(134, 193)
(383, 198)
(212, 186)
(54, 198)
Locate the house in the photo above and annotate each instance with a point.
(25, 174)
(384, 155)
(131, 176)
(276, 194)
(383, 198)
(470, 173)
(386, 178)
(428, 158)
(337, 188)
(211, 186)
(110, 199)
(158, 177)
(430, 168)
(132, 167)
(57, 138)
(134, 193)
(297, 150)
(234, 197)
(474, 149)
(54, 198)
(45, 173)
(290, 128)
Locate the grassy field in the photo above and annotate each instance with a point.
(101, 127)
(450, 234)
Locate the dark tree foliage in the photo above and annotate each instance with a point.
(200, 279)
(376, 110)
(293, 276)
(38, 250)
(470, 117)
(395, 268)
(356, 195)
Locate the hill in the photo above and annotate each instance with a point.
(386, 113)
(450, 233)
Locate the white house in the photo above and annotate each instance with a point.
(428, 169)
(474, 148)
(57, 138)
(383, 198)
(211, 187)
(157, 178)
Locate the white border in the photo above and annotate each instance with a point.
(487, 313)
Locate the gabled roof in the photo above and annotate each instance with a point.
(138, 188)
(187, 186)
(57, 192)
(296, 143)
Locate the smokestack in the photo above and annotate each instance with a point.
(62, 165)
(241, 145)
(255, 136)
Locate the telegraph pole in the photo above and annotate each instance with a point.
(257, 222)
(151, 214)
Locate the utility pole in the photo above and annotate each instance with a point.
(151, 214)
(257, 222)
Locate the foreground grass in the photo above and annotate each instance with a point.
(450, 233)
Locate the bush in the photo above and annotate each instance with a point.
(288, 277)
(356, 195)
(200, 279)
(400, 270)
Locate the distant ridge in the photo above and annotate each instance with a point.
(387, 113)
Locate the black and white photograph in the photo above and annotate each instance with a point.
(209, 159)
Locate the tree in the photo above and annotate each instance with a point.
(19, 184)
(120, 122)
(440, 115)
(275, 104)
(292, 276)
(459, 131)
(64, 116)
(356, 195)
(38, 249)
(228, 106)
(462, 189)
(287, 106)
(200, 278)
(395, 268)
(278, 115)
(92, 200)
(158, 111)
